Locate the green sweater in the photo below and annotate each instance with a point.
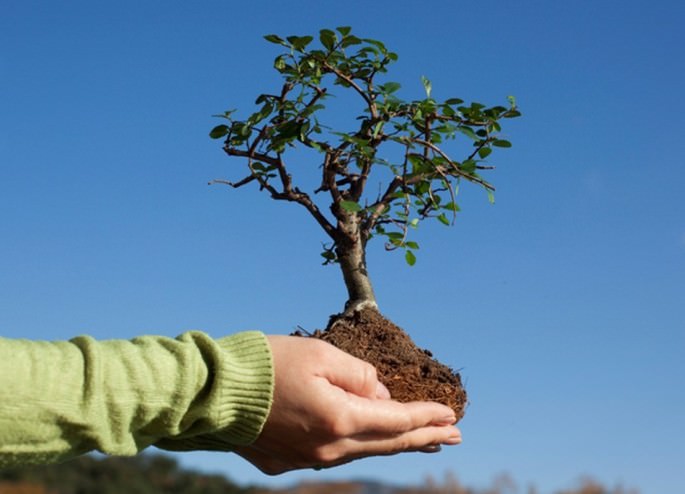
(62, 399)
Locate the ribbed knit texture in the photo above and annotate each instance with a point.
(62, 399)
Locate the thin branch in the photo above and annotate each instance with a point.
(287, 194)
(462, 121)
(403, 225)
(475, 151)
(369, 101)
(379, 206)
(306, 201)
(235, 185)
(320, 92)
(455, 168)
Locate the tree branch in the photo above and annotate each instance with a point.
(235, 185)
(455, 168)
(287, 194)
(369, 101)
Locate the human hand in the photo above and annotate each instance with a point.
(329, 408)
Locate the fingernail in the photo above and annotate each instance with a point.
(453, 439)
(446, 420)
(382, 392)
(435, 448)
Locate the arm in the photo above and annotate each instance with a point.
(280, 402)
(63, 399)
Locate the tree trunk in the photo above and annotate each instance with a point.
(352, 258)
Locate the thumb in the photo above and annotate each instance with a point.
(353, 375)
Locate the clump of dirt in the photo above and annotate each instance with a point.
(409, 373)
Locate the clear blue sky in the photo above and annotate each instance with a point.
(563, 304)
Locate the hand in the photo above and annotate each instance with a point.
(329, 408)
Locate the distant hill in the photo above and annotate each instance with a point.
(143, 474)
(154, 474)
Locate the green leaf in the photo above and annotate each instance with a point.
(420, 188)
(350, 206)
(311, 109)
(227, 114)
(272, 38)
(484, 152)
(468, 131)
(300, 42)
(443, 219)
(410, 257)
(389, 87)
(219, 131)
(491, 196)
(469, 166)
(501, 143)
(329, 257)
(264, 112)
(327, 38)
(242, 129)
(452, 206)
(289, 129)
(427, 86)
(259, 167)
(454, 101)
(349, 41)
(418, 163)
(377, 128)
(448, 111)
(279, 63)
(495, 110)
(377, 44)
(411, 245)
(344, 30)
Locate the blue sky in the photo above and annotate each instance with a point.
(563, 304)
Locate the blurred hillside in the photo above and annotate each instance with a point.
(147, 474)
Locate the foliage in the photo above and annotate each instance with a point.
(157, 473)
(408, 140)
(144, 474)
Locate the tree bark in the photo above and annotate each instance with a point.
(350, 250)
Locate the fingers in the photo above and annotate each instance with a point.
(392, 417)
(344, 450)
(426, 439)
(294, 356)
(382, 393)
(352, 374)
(329, 408)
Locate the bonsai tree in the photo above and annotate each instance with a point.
(405, 139)
(400, 164)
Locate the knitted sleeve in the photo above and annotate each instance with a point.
(62, 399)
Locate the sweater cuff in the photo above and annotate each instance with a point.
(242, 383)
(245, 381)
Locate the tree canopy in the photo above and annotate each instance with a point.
(404, 148)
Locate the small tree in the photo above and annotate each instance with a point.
(405, 139)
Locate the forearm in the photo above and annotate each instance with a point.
(62, 399)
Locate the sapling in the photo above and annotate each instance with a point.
(400, 164)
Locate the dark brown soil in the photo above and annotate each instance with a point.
(410, 373)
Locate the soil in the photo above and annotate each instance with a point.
(409, 373)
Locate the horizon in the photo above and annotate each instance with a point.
(562, 305)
